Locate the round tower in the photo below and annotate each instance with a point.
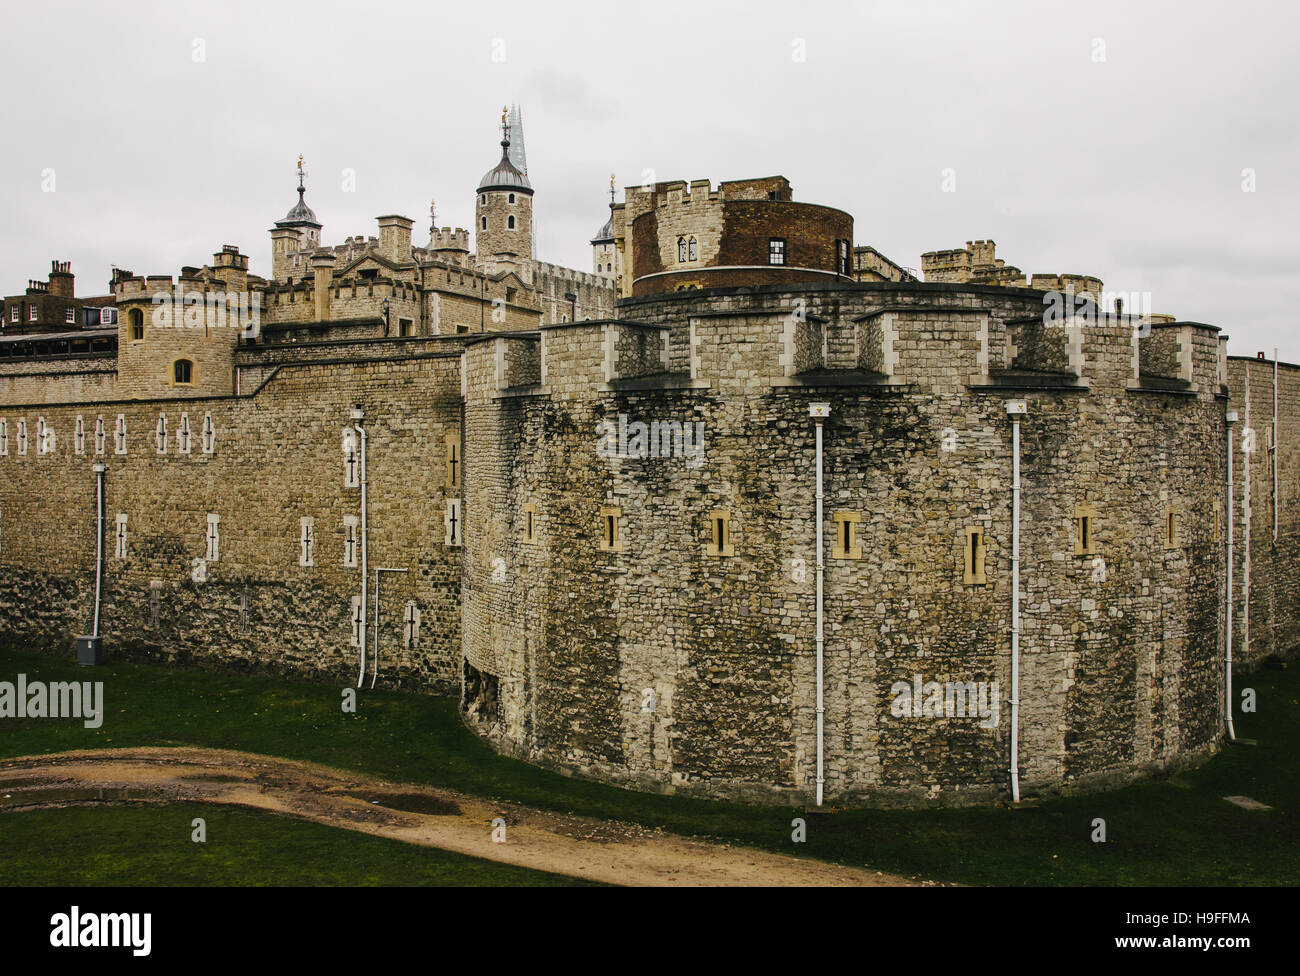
(503, 214)
(298, 231)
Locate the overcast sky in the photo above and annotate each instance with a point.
(1107, 139)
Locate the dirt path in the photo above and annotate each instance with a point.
(611, 851)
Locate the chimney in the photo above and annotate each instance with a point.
(231, 268)
(61, 279)
(322, 266)
(395, 238)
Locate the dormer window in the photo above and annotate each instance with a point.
(69, 315)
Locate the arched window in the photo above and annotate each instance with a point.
(681, 249)
(692, 252)
(512, 198)
(485, 223)
(483, 198)
(510, 222)
(137, 323)
(183, 371)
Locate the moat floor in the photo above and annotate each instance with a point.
(599, 850)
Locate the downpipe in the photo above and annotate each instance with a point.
(357, 414)
(819, 412)
(99, 545)
(1227, 694)
(1016, 409)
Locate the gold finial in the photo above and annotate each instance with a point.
(430, 206)
(611, 181)
(300, 160)
(504, 113)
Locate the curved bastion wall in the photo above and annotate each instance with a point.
(651, 620)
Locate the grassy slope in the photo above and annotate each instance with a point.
(1160, 832)
(151, 845)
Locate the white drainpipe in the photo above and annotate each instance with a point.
(1227, 695)
(819, 412)
(99, 543)
(1015, 409)
(357, 414)
(1246, 517)
(1275, 445)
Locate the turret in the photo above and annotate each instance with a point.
(298, 231)
(503, 214)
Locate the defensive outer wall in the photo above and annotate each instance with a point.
(554, 632)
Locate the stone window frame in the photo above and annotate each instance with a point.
(510, 198)
(455, 529)
(212, 538)
(42, 438)
(720, 542)
(184, 437)
(306, 541)
(973, 556)
(510, 222)
(119, 435)
(120, 531)
(454, 461)
(135, 321)
(160, 434)
(681, 250)
(209, 434)
(692, 249)
(4, 437)
(351, 541)
(846, 544)
(101, 435)
(187, 366)
(79, 436)
(1172, 531)
(528, 533)
(1085, 529)
(776, 248)
(844, 257)
(22, 436)
(611, 535)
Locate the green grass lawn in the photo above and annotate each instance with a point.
(150, 844)
(1161, 832)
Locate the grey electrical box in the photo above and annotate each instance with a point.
(89, 650)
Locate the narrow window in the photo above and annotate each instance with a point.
(44, 437)
(160, 434)
(22, 436)
(411, 625)
(79, 436)
(351, 459)
(974, 557)
(485, 223)
(183, 371)
(843, 257)
(13, 313)
(183, 435)
(691, 250)
(350, 525)
(610, 537)
(776, 250)
(356, 620)
(120, 549)
(209, 434)
(4, 437)
(213, 539)
(452, 523)
(119, 435)
(512, 198)
(681, 250)
(846, 536)
(1085, 525)
(510, 222)
(136, 318)
(1171, 528)
(720, 534)
(307, 541)
(100, 435)
(452, 442)
(530, 523)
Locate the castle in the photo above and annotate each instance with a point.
(589, 501)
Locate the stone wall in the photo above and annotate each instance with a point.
(276, 460)
(661, 662)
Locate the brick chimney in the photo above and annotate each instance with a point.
(395, 238)
(61, 279)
